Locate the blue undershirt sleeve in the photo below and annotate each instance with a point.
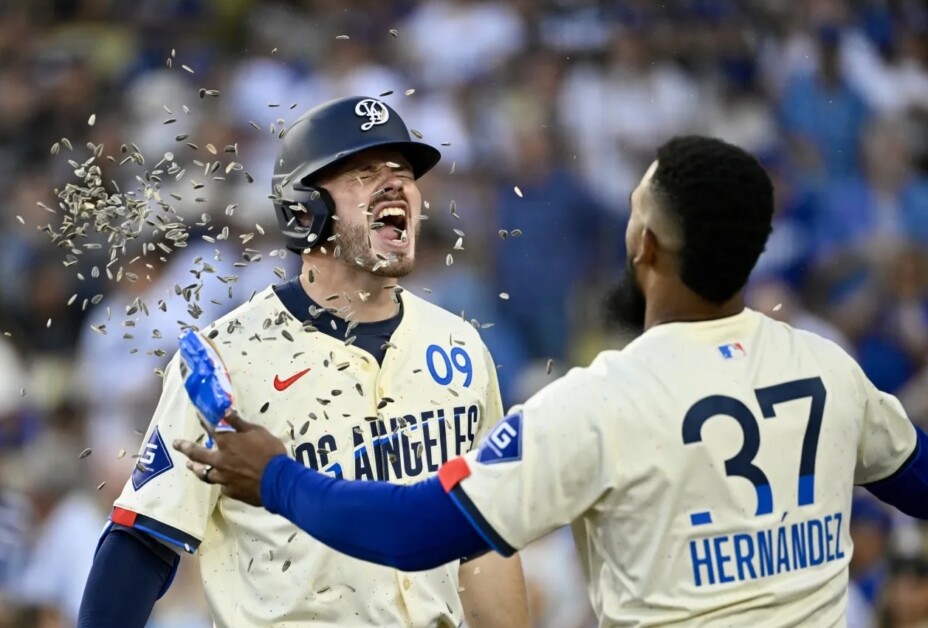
(907, 488)
(130, 572)
(410, 528)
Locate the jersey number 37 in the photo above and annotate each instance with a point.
(742, 463)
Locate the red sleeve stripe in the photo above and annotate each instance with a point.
(452, 473)
(123, 517)
(155, 528)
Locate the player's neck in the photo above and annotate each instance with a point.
(686, 306)
(330, 277)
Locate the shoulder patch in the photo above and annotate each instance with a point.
(504, 444)
(155, 460)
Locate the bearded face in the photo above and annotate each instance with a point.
(625, 304)
(378, 209)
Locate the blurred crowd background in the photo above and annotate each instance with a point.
(564, 99)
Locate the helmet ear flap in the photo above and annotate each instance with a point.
(306, 216)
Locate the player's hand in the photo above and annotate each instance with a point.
(237, 462)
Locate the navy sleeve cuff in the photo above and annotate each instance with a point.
(125, 580)
(907, 488)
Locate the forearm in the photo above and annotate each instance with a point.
(907, 489)
(493, 592)
(126, 579)
(417, 526)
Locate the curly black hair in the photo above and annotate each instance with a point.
(723, 199)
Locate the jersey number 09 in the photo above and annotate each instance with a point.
(440, 364)
(742, 463)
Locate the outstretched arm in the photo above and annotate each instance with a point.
(252, 466)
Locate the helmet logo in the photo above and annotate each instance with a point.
(375, 111)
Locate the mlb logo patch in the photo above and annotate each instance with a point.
(733, 351)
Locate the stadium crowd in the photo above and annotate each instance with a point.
(547, 113)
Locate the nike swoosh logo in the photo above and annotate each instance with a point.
(284, 384)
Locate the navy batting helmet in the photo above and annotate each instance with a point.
(324, 136)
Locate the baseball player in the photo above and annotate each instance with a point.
(707, 468)
(361, 380)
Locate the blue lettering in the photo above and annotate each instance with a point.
(306, 456)
(743, 560)
(412, 463)
(799, 546)
(362, 462)
(828, 540)
(765, 552)
(460, 437)
(442, 435)
(428, 442)
(816, 533)
(704, 561)
(782, 550)
(838, 552)
(327, 446)
(473, 418)
(721, 559)
(393, 451)
(430, 353)
(378, 430)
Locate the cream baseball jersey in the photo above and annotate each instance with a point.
(707, 470)
(341, 413)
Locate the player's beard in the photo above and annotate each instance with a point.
(625, 304)
(354, 243)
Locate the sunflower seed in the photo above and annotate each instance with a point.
(394, 32)
(516, 233)
(517, 191)
(92, 120)
(85, 453)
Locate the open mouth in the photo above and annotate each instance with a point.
(390, 221)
